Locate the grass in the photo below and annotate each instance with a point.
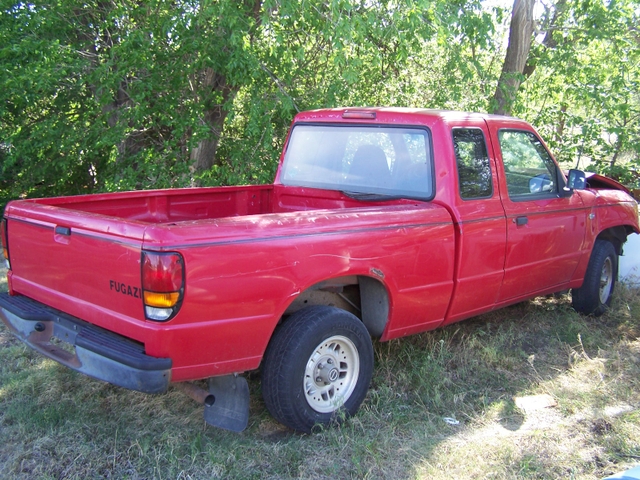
(55, 423)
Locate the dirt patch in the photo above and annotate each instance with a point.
(535, 402)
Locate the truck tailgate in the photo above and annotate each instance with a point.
(86, 265)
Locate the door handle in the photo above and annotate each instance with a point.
(519, 221)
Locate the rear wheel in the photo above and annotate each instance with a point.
(595, 294)
(317, 368)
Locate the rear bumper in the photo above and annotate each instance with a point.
(83, 347)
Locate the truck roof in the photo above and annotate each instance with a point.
(394, 115)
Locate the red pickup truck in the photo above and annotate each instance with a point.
(381, 223)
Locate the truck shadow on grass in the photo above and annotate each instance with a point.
(442, 404)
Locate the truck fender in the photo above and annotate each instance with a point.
(365, 297)
(374, 301)
(616, 235)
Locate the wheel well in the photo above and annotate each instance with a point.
(616, 235)
(365, 297)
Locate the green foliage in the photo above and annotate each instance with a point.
(104, 96)
(584, 92)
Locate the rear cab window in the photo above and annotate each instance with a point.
(363, 159)
(472, 161)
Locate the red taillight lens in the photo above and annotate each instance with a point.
(162, 284)
(162, 272)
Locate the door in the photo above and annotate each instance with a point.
(545, 222)
(480, 223)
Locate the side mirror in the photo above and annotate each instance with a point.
(576, 180)
(539, 184)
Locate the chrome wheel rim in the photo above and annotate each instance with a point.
(331, 374)
(606, 280)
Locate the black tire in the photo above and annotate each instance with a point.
(317, 368)
(595, 294)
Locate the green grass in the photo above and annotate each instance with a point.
(55, 423)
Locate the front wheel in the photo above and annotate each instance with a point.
(317, 368)
(595, 294)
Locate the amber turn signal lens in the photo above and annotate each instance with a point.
(161, 300)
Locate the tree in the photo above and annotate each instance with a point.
(520, 38)
(582, 87)
(120, 94)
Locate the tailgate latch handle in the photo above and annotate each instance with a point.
(63, 231)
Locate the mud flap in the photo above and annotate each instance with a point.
(230, 406)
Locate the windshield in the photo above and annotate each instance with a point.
(390, 161)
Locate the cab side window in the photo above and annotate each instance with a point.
(474, 170)
(528, 167)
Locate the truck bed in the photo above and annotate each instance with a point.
(191, 204)
(248, 250)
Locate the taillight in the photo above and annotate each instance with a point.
(162, 284)
(4, 239)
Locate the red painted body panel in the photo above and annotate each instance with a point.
(256, 266)
(250, 251)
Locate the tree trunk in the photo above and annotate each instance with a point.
(520, 38)
(203, 156)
